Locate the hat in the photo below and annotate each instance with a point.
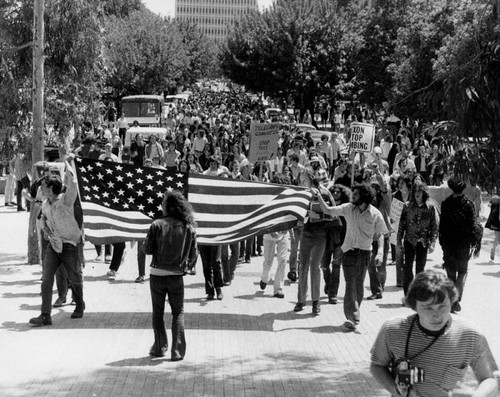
(314, 159)
(214, 158)
(377, 149)
(244, 163)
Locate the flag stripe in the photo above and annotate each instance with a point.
(224, 215)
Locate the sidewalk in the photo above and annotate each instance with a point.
(249, 344)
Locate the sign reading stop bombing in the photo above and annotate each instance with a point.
(362, 137)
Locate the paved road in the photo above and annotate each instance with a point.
(249, 344)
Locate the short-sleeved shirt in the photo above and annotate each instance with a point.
(361, 226)
(444, 363)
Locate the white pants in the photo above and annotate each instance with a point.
(9, 189)
(281, 248)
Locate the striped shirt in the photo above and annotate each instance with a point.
(444, 363)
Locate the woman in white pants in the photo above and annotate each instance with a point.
(275, 242)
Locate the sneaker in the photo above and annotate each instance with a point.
(262, 285)
(107, 259)
(292, 276)
(374, 296)
(210, 297)
(192, 272)
(299, 307)
(111, 274)
(220, 295)
(279, 294)
(316, 309)
(41, 320)
(332, 300)
(139, 279)
(59, 302)
(351, 326)
(98, 258)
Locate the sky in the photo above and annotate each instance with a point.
(167, 7)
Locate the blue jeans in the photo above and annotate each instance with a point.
(295, 235)
(312, 248)
(456, 263)
(417, 253)
(173, 287)
(212, 268)
(70, 260)
(378, 274)
(332, 277)
(354, 263)
(229, 262)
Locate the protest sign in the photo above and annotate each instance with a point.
(263, 141)
(361, 137)
(396, 209)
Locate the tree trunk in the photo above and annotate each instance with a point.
(38, 88)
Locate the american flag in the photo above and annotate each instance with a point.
(119, 202)
(229, 210)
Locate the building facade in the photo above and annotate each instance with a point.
(213, 17)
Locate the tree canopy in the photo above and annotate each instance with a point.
(290, 49)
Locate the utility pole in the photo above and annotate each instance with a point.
(38, 79)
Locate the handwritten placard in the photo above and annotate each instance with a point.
(263, 141)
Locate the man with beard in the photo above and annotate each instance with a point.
(364, 224)
(315, 172)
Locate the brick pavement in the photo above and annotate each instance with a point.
(249, 344)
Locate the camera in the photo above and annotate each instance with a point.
(408, 374)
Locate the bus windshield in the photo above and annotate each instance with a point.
(146, 109)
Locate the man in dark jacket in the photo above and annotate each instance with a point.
(459, 235)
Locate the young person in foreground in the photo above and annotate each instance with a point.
(428, 353)
(172, 242)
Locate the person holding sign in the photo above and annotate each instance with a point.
(417, 233)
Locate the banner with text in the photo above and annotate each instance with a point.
(263, 141)
(361, 138)
(396, 209)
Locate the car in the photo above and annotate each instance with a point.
(146, 132)
(272, 113)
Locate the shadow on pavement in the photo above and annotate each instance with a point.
(497, 274)
(146, 361)
(10, 295)
(194, 286)
(27, 283)
(389, 305)
(230, 376)
(13, 260)
(140, 320)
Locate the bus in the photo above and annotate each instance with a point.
(148, 110)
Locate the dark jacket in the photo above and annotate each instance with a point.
(172, 244)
